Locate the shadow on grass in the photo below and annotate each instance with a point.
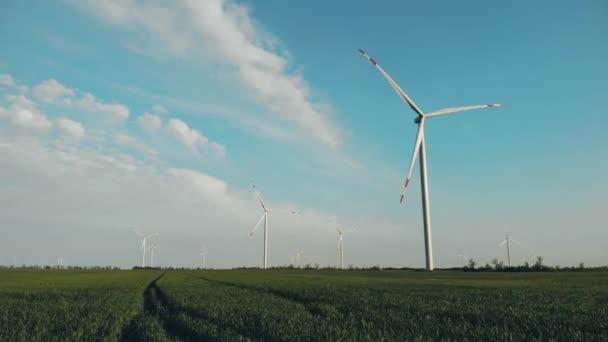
(314, 306)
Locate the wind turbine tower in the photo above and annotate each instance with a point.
(203, 254)
(420, 152)
(143, 246)
(508, 241)
(340, 248)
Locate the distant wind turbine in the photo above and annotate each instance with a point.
(143, 246)
(340, 248)
(265, 219)
(420, 150)
(464, 258)
(203, 254)
(507, 241)
(531, 257)
(152, 248)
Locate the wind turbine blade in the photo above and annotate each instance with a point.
(502, 243)
(460, 109)
(138, 233)
(339, 232)
(513, 240)
(261, 202)
(394, 84)
(283, 211)
(256, 226)
(419, 137)
(257, 193)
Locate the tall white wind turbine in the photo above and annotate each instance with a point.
(143, 246)
(508, 241)
(265, 219)
(340, 248)
(203, 254)
(420, 151)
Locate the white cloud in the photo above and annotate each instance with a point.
(159, 109)
(263, 128)
(98, 193)
(188, 136)
(214, 189)
(193, 138)
(183, 133)
(218, 149)
(23, 114)
(72, 129)
(89, 103)
(229, 37)
(51, 90)
(6, 80)
(129, 141)
(149, 121)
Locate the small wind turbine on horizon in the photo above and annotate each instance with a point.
(507, 241)
(265, 219)
(340, 248)
(531, 257)
(203, 254)
(420, 151)
(464, 258)
(143, 245)
(295, 259)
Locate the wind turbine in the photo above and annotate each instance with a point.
(265, 219)
(507, 241)
(464, 258)
(340, 248)
(152, 248)
(143, 246)
(531, 257)
(203, 254)
(299, 258)
(420, 151)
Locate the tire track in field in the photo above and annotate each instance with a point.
(311, 305)
(136, 328)
(169, 316)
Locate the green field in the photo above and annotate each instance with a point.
(283, 305)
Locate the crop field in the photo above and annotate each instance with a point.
(280, 305)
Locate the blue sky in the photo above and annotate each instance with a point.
(276, 92)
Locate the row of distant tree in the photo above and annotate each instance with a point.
(537, 266)
(493, 266)
(57, 267)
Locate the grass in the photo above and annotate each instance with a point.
(281, 305)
